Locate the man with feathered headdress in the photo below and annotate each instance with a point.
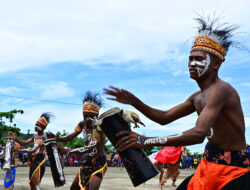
(38, 158)
(225, 164)
(94, 165)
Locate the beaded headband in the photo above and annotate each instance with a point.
(43, 121)
(207, 44)
(90, 107)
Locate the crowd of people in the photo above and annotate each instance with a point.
(188, 162)
(113, 160)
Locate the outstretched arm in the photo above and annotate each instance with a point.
(72, 135)
(21, 142)
(34, 149)
(85, 149)
(159, 116)
(215, 101)
(68, 137)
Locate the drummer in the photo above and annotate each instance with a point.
(94, 166)
(10, 176)
(38, 158)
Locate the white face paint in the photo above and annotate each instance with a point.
(159, 140)
(39, 128)
(204, 64)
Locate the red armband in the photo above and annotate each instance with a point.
(78, 128)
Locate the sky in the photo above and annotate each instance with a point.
(57, 50)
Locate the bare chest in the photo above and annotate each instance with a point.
(200, 102)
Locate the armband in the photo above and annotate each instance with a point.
(78, 128)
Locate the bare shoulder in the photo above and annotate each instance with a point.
(82, 124)
(221, 89)
(191, 98)
(232, 95)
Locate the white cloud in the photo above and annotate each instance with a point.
(8, 90)
(57, 90)
(33, 33)
(65, 119)
(152, 33)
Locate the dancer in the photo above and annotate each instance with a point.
(157, 164)
(94, 166)
(173, 172)
(225, 164)
(170, 156)
(10, 176)
(38, 158)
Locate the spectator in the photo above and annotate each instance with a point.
(76, 162)
(119, 161)
(248, 148)
(195, 163)
(192, 161)
(71, 161)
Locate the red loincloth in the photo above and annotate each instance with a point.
(169, 154)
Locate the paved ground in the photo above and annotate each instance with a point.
(114, 179)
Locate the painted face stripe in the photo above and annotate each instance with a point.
(193, 63)
(205, 63)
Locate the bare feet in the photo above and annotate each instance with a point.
(163, 181)
(173, 184)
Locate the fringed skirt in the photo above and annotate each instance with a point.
(92, 167)
(37, 164)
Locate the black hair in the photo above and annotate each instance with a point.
(47, 116)
(93, 97)
(224, 33)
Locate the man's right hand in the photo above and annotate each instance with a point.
(12, 134)
(120, 95)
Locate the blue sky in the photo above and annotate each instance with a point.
(57, 50)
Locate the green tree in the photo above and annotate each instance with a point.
(74, 143)
(197, 154)
(187, 151)
(108, 147)
(7, 124)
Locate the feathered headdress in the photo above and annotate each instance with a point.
(213, 37)
(45, 118)
(92, 102)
